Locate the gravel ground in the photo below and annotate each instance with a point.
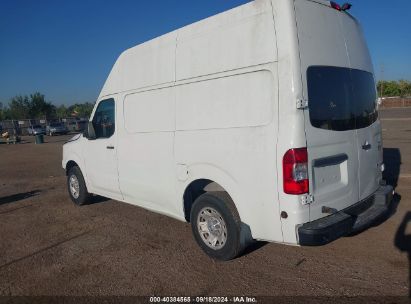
(49, 247)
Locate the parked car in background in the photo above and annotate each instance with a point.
(56, 128)
(78, 126)
(36, 130)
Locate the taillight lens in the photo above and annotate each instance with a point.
(295, 171)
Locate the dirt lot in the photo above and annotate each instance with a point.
(50, 247)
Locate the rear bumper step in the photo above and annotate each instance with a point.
(355, 218)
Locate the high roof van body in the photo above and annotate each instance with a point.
(259, 123)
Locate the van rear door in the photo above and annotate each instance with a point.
(368, 127)
(339, 98)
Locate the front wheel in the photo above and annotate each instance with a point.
(215, 227)
(77, 187)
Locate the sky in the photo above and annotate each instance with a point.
(65, 49)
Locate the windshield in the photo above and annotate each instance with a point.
(341, 99)
(56, 125)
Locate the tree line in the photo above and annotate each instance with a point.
(401, 88)
(35, 106)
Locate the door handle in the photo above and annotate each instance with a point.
(366, 146)
(110, 147)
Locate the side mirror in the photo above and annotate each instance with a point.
(89, 132)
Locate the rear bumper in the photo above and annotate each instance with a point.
(355, 218)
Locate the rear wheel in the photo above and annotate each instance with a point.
(77, 187)
(216, 229)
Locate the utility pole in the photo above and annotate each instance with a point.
(382, 82)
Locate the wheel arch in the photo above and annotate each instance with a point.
(200, 185)
(74, 160)
(70, 164)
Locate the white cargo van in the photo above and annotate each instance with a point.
(259, 123)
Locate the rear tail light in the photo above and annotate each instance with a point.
(295, 171)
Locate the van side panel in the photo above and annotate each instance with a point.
(146, 156)
(238, 153)
(238, 38)
(150, 111)
(226, 115)
(243, 100)
(227, 123)
(148, 64)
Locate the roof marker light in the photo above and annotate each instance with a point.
(335, 5)
(346, 6)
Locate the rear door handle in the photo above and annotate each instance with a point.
(366, 146)
(110, 147)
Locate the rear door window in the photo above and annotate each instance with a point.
(341, 99)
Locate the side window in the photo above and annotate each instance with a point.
(104, 119)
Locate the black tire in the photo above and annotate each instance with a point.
(222, 204)
(83, 196)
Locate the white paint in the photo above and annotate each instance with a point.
(150, 111)
(243, 100)
(244, 36)
(217, 100)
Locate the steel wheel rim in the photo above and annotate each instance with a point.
(74, 186)
(212, 228)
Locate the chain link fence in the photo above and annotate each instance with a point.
(395, 102)
(20, 127)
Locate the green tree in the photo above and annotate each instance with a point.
(35, 106)
(19, 107)
(401, 88)
(39, 107)
(81, 110)
(4, 112)
(62, 112)
(2, 116)
(404, 88)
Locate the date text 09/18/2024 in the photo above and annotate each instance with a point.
(205, 299)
